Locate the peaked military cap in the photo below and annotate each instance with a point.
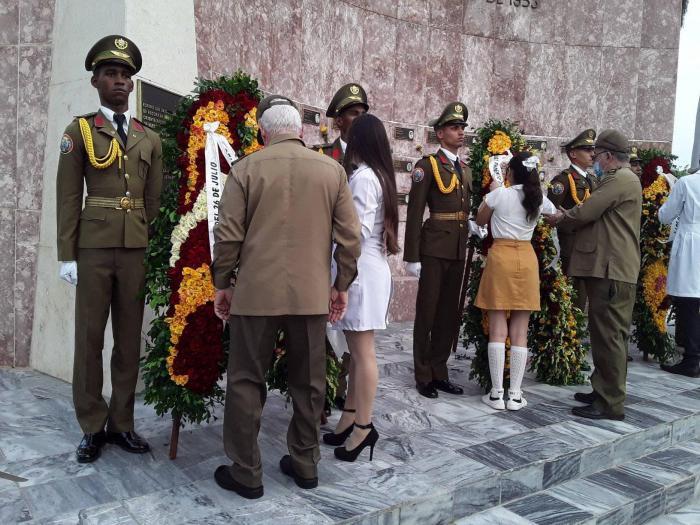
(272, 100)
(346, 96)
(114, 48)
(585, 139)
(634, 155)
(454, 113)
(612, 140)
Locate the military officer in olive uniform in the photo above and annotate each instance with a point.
(569, 189)
(606, 256)
(101, 246)
(349, 102)
(435, 250)
(635, 162)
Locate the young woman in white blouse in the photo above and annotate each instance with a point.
(373, 186)
(511, 279)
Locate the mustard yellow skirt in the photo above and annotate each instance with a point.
(511, 278)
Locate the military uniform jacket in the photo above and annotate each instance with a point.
(141, 175)
(333, 150)
(446, 239)
(560, 189)
(607, 229)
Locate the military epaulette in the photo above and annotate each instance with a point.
(87, 115)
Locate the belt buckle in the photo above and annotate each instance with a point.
(125, 203)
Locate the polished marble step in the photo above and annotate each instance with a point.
(653, 488)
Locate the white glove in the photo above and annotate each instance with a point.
(413, 268)
(479, 231)
(69, 272)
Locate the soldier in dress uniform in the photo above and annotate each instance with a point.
(349, 102)
(569, 189)
(606, 255)
(101, 246)
(435, 250)
(635, 162)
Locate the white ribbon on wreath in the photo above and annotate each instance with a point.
(214, 178)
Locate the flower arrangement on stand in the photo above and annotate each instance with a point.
(650, 309)
(554, 336)
(186, 351)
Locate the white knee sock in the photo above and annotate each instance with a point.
(518, 362)
(497, 361)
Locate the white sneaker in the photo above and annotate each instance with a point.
(494, 399)
(516, 400)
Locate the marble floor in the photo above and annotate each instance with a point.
(437, 460)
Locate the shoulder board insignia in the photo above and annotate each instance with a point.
(87, 115)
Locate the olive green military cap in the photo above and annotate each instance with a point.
(585, 139)
(634, 154)
(454, 113)
(114, 48)
(612, 140)
(272, 100)
(346, 96)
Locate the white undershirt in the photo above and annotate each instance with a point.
(450, 155)
(110, 116)
(343, 145)
(580, 171)
(509, 219)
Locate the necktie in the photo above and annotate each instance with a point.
(120, 119)
(458, 167)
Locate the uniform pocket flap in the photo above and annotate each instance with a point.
(146, 156)
(586, 246)
(93, 213)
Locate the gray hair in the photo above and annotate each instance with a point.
(281, 119)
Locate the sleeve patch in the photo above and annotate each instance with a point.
(418, 175)
(557, 188)
(66, 144)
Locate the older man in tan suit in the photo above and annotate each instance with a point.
(281, 209)
(606, 256)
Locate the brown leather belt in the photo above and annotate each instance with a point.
(452, 216)
(119, 203)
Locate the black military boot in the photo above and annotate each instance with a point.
(685, 367)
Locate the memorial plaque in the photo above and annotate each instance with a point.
(154, 104)
(538, 144)
(403, 165)
(404, 133)
(312, 117)
(470, 139)
(432, 138)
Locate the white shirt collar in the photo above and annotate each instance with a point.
(110, 116)
(581, 172)
(343, 144)
(450, 155)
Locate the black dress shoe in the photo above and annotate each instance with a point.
(426, 390)
(582, 397)
(683, 368)
(129, 441)
(448, 386)
(89, 448)
(288, 469)
(225, 480)
(590, 412)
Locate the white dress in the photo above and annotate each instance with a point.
(684, 266)
(369, 293)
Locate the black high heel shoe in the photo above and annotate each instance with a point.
(370, 440)
(331, 438)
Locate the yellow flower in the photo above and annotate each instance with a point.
(654, 292)
(499, 143)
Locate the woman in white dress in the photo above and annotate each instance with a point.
(373, 186)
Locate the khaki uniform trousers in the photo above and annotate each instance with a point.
(436, 323)
(108, 279)
(566, 246)
(609, 318)
(250, 356)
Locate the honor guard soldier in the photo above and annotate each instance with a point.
(635, 162)
(349, 102)
(435, 250)
(101, 246)
(569, 189)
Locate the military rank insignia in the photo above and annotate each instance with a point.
(418, 175)
(66, 144)
(557, 188)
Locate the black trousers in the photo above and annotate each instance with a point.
(688, 327)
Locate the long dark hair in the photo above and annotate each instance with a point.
(530, 179)
(368, 143)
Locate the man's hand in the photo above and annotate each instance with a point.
(554, 218)
(337, 305)
(480, 231)
(69, 272)
(222, 303)
(413, 268)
